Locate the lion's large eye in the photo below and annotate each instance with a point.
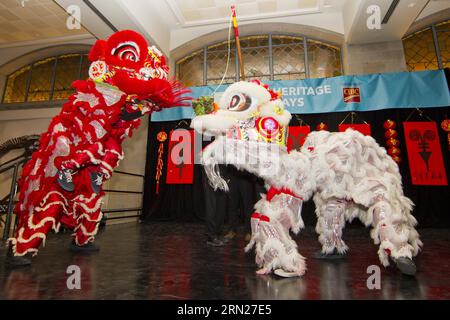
(129, 56)
(128, 51)
(240, 102)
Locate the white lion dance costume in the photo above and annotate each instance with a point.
(348, 174)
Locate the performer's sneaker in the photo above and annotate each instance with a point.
(17, 262)
(335, 255)
(13, 261)
(406, 266)
(65, 180)
(96, 181)
(285, 274)
(230, 235)
(88, 247)
(215, 242)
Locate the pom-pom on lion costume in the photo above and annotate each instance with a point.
(348, 175)
(61, 184)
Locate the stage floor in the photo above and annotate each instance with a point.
(171, 261)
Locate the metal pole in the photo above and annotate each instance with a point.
(80, 68)
(52, 89)
(28, 84)
(305, 50)
(205, 66)
(436, 47)
(12, 195)
(271, 58)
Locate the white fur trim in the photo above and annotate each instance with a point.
(275, 109)
(90, 155)
(119, 155)
(212, 124)
(85, 232)
(86, 208)
(89, 218)
(54, 192)
(13, 243)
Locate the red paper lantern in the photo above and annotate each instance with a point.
(391, 142)
(322, 126)
(445, 125)
(161, 137)
(394, 151)
(390, 133)
(389, 124)
(396, 158)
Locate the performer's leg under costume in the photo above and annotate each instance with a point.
(112, 157)
(105, 155)
(82, 214)
(275, 249)
(215, 204)
(330, 223)
(240, 196)
(393, 227)
(88, 216)
(33, 228)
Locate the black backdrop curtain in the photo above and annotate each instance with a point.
(184, 203)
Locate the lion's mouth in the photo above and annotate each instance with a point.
(129, 70)
(144, 74)
(212, 124)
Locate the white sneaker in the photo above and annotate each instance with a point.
(285, 274)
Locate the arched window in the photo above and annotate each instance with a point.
(47, 79)
(428, 49)
(266, 57)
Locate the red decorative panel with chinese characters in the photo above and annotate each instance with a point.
(424, 154)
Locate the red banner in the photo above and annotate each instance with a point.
(296, 137)
(180, 160)
(424, 154)
(364, 128)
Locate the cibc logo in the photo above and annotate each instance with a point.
(352, 95)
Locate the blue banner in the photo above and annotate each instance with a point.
(424, 89)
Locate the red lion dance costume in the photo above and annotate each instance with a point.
(61, 184)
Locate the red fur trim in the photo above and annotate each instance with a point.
(97, 51)
(172, 94)
(255, 215)
(272, 192)
(162, 92)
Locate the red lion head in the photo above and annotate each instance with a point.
(124, 60)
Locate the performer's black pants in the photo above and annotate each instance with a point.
(215, 206)
(259, 188)
(241, 195)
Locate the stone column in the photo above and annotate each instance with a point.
(374, 58)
